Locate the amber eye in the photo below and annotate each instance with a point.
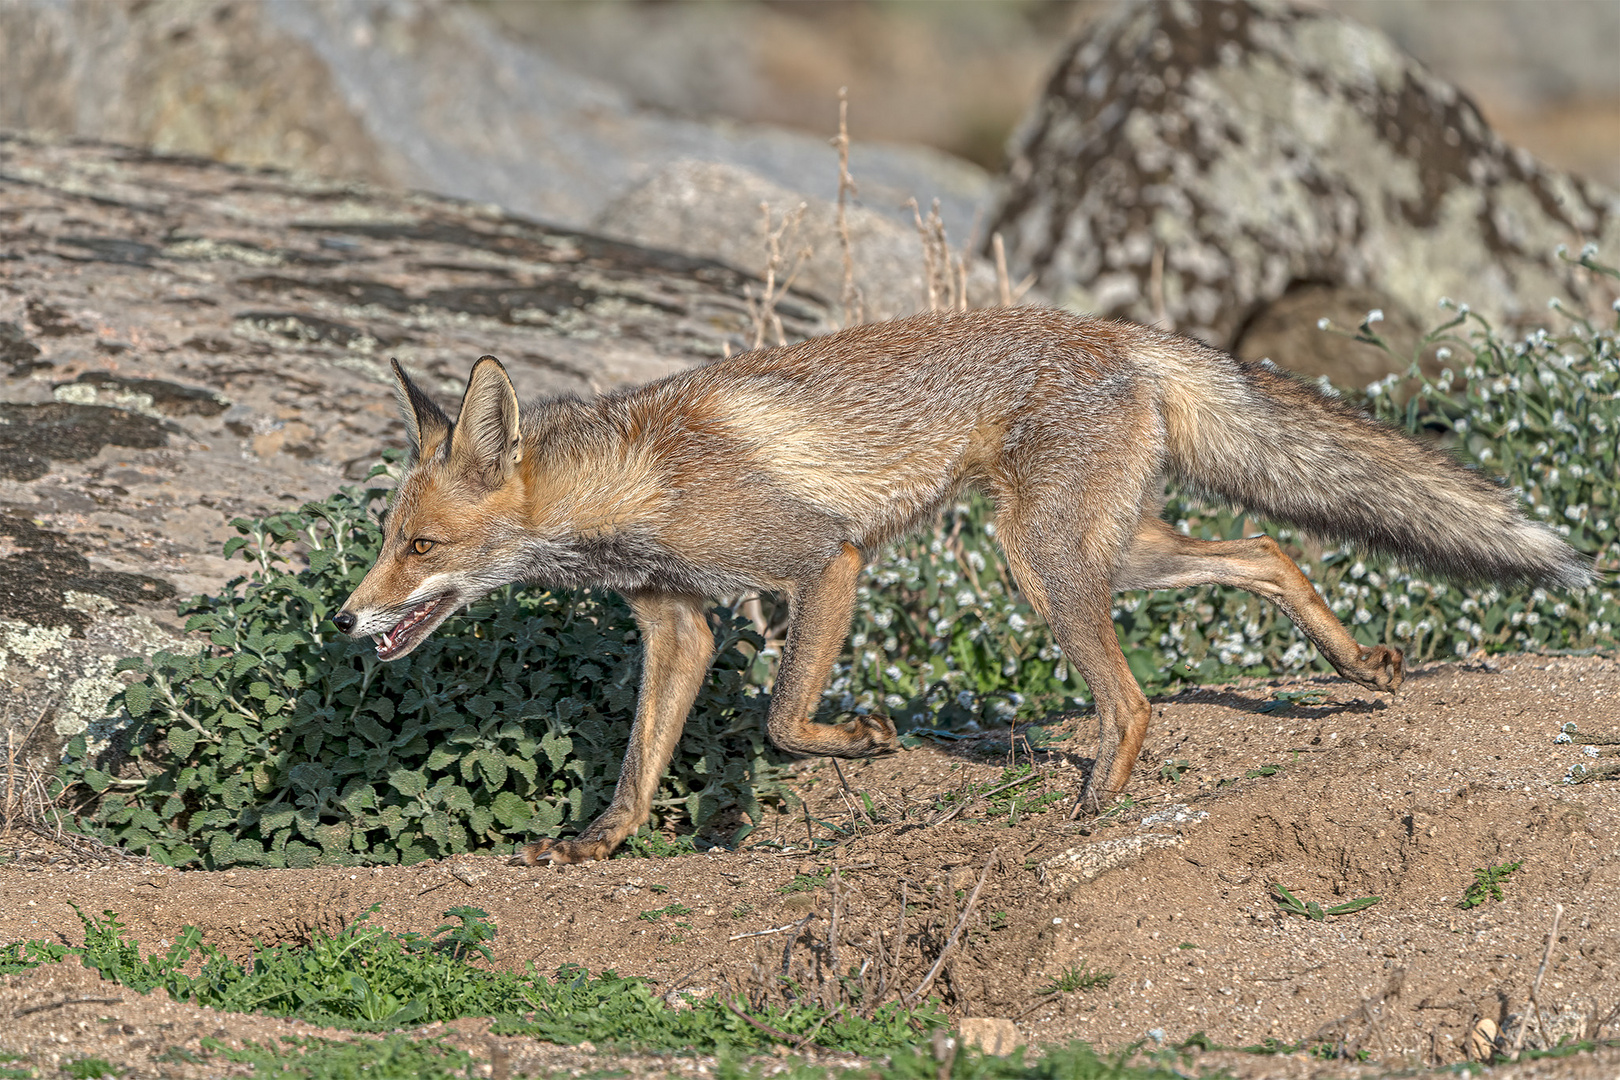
(421, 547)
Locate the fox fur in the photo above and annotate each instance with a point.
(787, 469)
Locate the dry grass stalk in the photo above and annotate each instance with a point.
(939, 265)
(850, 298)
(1003, 282)
(1336, 1030)
(33, 805)
(1161, 318)
(785, 234)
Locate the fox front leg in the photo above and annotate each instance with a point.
(818, 623)
(677, 645)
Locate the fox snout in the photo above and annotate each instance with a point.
(344, 621)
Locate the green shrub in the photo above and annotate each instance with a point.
(281, 742)
(941, 637)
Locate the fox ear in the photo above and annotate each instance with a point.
(425, 422)
(485, 440)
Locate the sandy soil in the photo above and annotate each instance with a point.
(1353, 796)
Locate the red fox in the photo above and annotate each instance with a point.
(786, 469)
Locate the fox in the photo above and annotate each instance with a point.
(787, 470)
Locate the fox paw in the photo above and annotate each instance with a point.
(564, 852)
(880, 733)
(1089, 804)
(1381, 668)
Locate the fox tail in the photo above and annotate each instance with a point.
(1265, 441)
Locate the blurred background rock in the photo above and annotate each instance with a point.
(555, 109)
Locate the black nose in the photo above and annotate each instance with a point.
(344, 621)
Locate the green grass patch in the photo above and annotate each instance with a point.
(365, 978)
(1077, 977)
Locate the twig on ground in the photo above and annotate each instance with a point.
(1535, 987)
(793, 1040)
(787, 950)
(762, 933)
(856, 808)
(956, 935)
(1335, 1028)
(832, 932)
(1596, 1023)
(68, 1001)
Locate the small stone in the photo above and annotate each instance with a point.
(993, 1034)
(1482, 1038)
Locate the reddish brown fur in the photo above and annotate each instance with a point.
(786, 469)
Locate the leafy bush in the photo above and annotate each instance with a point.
(940, 636)
(281, 742)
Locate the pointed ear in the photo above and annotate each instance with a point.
(425, 422)
(485, 440)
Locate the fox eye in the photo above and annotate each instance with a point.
(421, 547)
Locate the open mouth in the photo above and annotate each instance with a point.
(410, 631)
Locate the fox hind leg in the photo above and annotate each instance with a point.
(1161, 558)
(1063, 563)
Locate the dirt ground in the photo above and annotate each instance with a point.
(1348, 797)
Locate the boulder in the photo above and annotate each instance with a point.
(412, 94)
(1197, 164)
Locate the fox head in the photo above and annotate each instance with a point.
(453, 532)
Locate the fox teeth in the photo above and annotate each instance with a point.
(390, 637)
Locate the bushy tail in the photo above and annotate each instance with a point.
(1279, 448)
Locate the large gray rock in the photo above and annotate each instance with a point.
(183, 343)
(1249, 149)
(415, 94)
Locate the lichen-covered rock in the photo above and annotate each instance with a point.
(1195, 162)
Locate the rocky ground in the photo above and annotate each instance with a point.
(1354, 796)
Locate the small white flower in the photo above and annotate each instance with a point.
(1589, 250)
(1375, 315)
(1323, 323)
